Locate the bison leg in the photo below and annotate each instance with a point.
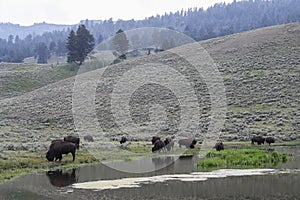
(73, 154)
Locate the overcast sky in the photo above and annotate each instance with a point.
(27, 12)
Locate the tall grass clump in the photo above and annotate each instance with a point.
(241, 158)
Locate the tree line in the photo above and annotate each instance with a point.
(218, 20)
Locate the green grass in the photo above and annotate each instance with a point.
(26, 80)
(23, 162)
(22, 68)
(63, 72)
(249, 157)
(23, 84)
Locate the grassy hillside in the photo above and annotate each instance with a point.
(17, 79)
(260, 68)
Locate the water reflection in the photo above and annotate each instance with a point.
(160, 162)
(60, 178)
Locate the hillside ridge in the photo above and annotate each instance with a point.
(261, 73)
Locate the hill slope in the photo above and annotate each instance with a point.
(261, 72)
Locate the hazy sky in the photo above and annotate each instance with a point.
(27, 12)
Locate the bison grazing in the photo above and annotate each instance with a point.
(88, 138)
(219, 146)
(270, 140)
(154, 138)
(158, 146)
(123, 140)
(57, 148)
(72, 139)
(258, 139)
(169, 144)
(188, 143)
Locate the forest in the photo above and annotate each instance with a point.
(218, 20)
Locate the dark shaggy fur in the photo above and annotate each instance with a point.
(123, 140)
(270, 140)
(72, 139)
(258, 139)
(154, 138)
(219, 146)
(158, 146)
(57, 148)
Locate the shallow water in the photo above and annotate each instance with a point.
(176, 181)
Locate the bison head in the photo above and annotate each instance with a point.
(50, 155)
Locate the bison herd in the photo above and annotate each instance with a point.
(69, 144)
(168, 143)
(261, 140)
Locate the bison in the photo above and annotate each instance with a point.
(258, 139)
(88, 138)
(57, 148)
(72, 139)
(188, 143)
(123, 140)
(169, 144)
(219, 146)
(154, 138)
(270, 140)
(158, 146)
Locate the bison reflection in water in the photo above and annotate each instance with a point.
(59, 178)
(162, 161)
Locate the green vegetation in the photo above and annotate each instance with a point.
(23, 162)
(23, 84)
(21, 68)
(63, 72)
(31, 77)
(245, 157)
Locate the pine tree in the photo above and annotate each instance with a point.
(85, 43)
(79, 45)
(121, 43)
(42, 53)
(72, 47)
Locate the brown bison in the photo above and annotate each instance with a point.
(72, 139)
(219, 146)
(258, 139)
(188, 142)
(88, 138)
(57, 148)
(59, 178)
(270, 140)
(169, 144)
(158, 146)
(123, 140)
